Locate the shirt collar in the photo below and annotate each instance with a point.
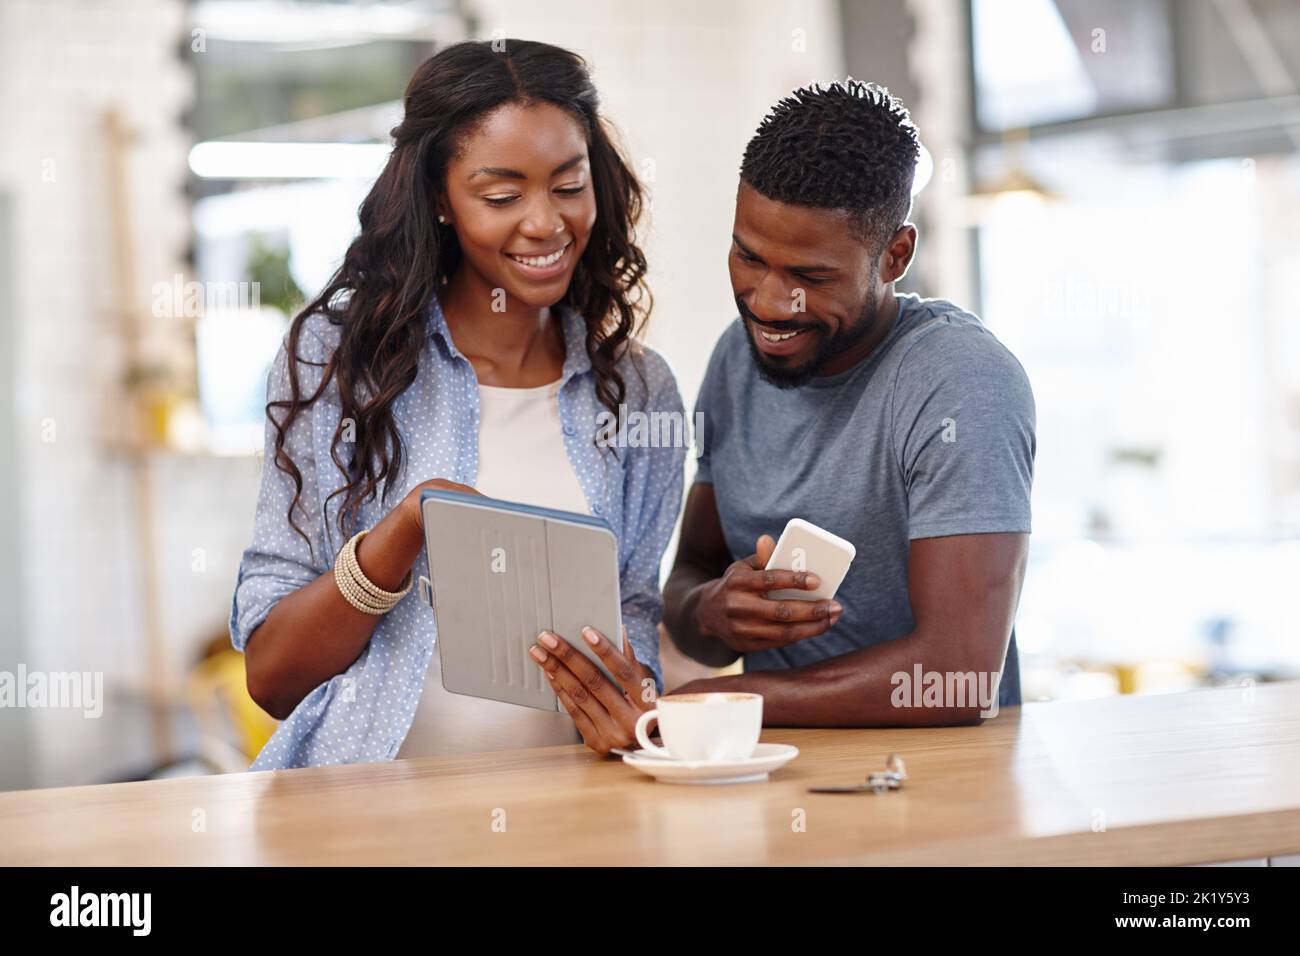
(576, 359)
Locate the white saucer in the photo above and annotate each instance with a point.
(765, 759)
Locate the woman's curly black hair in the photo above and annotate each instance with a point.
(380, 295)
(849, 146)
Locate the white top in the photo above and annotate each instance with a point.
(521, 454)
(521, 457)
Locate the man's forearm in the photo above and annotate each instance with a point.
(859, 689)
(681, 597)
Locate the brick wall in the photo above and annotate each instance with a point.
(62, 65)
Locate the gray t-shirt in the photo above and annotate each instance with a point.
(931, 435)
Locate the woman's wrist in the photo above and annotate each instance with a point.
(387, 553)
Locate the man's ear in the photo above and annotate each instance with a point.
(897, 257)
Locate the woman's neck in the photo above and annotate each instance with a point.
(520, 346)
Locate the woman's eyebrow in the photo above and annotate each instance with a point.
(506, 173)
(568, 164)
(499, 171)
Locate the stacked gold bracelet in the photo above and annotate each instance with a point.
(357, 589)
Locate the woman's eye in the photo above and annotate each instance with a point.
(499, 200)
(571, 190)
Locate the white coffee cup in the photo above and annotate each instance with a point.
(721, 726)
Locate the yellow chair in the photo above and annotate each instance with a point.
(217, 689)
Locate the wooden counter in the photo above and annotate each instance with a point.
(1199, 777)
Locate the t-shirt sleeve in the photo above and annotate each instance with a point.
(703, 472)
(963, 422)
(708, 419)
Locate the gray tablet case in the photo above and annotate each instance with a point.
(500, 572)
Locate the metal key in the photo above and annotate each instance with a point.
(891, 778)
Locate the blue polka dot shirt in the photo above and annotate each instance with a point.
(363, 714)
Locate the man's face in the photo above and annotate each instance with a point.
(806, 286)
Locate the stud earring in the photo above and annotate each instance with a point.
(442, 219)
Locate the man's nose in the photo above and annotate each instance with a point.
(771, 300)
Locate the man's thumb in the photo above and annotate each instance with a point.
(763, 550)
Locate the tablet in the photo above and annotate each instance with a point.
(498, 573)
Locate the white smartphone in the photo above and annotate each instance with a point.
(806, 547)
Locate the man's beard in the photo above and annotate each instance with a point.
(787, 376)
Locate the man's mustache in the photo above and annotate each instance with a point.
(774, 327)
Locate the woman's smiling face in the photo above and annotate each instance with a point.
(520, 197)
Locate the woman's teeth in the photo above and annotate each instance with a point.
(779, 338)
(540, 261)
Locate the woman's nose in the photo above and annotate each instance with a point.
(542, 221)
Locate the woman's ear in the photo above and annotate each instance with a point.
(442, 211)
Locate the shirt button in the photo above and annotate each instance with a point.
(596, 509)
(569, 429)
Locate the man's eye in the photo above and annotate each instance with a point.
(814, 280)
(746, 257)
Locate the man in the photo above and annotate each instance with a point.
(899, 423)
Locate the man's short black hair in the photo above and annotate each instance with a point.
(849, 146)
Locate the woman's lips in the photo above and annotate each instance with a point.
(543, 267)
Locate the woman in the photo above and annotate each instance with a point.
(478, 332)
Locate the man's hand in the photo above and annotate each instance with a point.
(736, 610)
(604, 714)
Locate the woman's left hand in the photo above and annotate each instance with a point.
(605, 714)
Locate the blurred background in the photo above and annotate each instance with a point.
(1113, 185)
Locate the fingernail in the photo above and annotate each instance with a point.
(592, 637)
(836, 607)
(549, 639)
(537, 654)
(812, 581)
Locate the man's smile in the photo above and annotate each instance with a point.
(779, 342)
(778, 338)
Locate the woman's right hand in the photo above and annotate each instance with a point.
(410, 505)
(313, 633)
(386, 554)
